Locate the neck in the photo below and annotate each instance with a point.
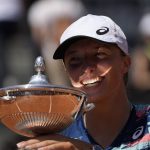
(106, 121)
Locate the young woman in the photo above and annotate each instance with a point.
(95, 54)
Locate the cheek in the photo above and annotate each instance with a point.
(74, 78)
(76, 83)
(116, 76)
(103, 69)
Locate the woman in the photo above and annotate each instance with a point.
(95, 54)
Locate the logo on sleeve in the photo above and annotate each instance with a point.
(102, 30)
(138, 132)
(148, 124)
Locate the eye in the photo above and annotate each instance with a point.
(74, 62)
(101, 55)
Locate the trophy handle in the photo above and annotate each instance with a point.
(1, 109)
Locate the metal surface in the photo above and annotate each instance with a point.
(39, 107)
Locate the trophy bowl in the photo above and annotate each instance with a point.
(38, 107)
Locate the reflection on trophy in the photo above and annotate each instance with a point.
(39, 107)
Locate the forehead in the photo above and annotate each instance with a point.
(86, 43)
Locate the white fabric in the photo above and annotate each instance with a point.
(144, 26)
(47, 11)
(88, 26)
(10, 9)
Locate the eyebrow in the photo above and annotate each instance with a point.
(100, 49)
(70, 52)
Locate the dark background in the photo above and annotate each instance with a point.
(18, 58)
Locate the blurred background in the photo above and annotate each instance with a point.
(29, 28)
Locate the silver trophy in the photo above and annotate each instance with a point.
(38, 107)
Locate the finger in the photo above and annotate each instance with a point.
(38, 139)
(40, 144)
(59, 146)
(25, 143)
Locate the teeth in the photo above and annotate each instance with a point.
(91, 81)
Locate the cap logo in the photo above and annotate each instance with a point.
(102, 30)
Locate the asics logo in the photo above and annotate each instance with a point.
(138, 132)
(102, 30)
(148, 125)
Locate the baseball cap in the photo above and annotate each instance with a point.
(101, 28)
(46, 12)
(144, 25)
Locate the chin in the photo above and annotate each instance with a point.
(92, 99)
(96, 98)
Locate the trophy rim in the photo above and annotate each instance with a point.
(46, 87)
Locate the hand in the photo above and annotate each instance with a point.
(53, 142)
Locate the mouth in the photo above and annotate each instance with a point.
(92, 82)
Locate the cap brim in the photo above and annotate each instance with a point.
(60, 51)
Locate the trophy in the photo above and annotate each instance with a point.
(38, 107)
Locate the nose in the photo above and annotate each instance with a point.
(89, 69)
(90, 66)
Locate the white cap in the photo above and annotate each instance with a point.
(101, 28)
(45, 12)
(11, 10)
(144, 25)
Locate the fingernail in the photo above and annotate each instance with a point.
(20, 145)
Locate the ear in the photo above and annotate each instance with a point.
(126, 64)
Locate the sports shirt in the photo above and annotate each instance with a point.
(134, 136)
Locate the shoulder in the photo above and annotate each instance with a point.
(143, 121)
(76, 130)
(137, 135)
(143, 113)
(142, 110)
